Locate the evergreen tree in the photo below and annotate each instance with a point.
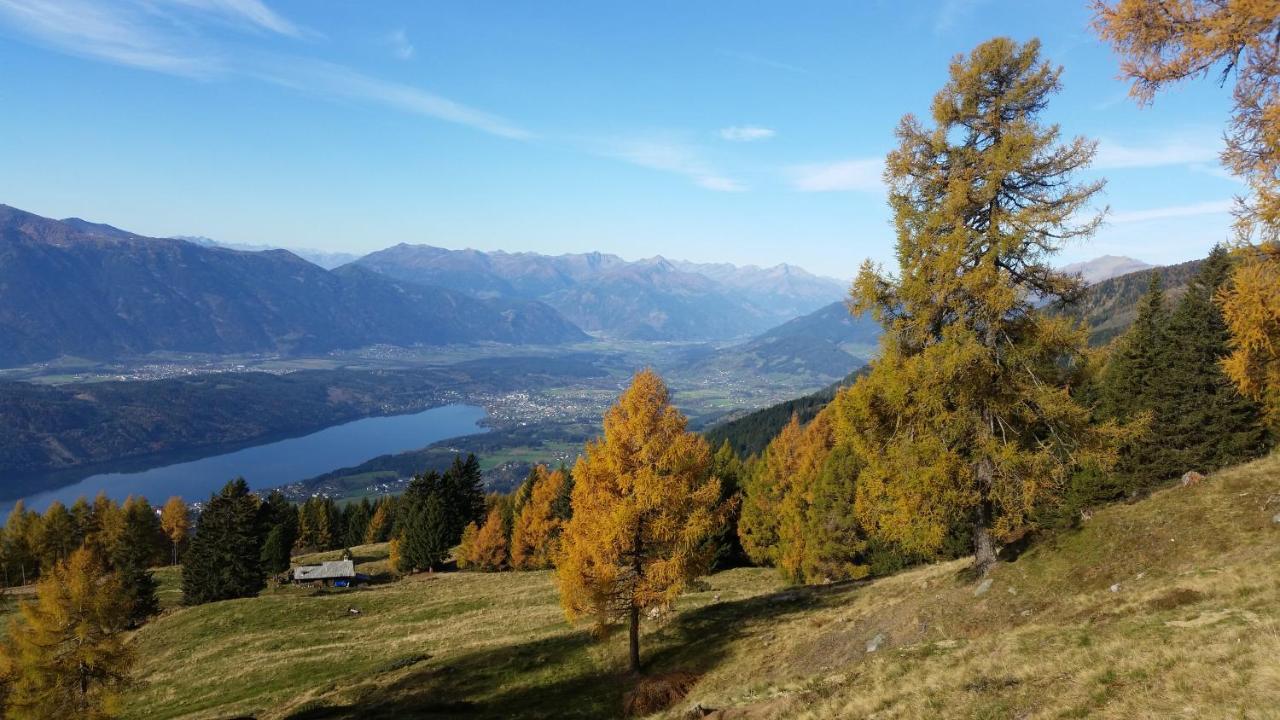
(967, 411)
(20, 551)
(142, 541)
(81, 519)
(1135, 387)
(224, 558)
(728, 469)
(66, 651)
(837, 548)
(356, 522)
(278, 525)
(57, 535)
(562, 508)
(644, 506)
(1209, 424)
(423, 538)
(462, 495)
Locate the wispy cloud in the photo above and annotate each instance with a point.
(146, 34)
(400, 45)
(667, 155)
(1183, 149)
(248, 12)
(859, 174)
(1215, 207)
(753, 59)
(119, 34)
(746, 133)
(335, 81)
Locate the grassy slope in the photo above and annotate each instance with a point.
(1191, 630)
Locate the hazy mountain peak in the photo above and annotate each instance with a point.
(1105, 268)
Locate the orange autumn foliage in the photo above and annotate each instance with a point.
(535, 536)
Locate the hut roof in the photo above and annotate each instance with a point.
(330, 570)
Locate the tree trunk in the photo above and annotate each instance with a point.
(635, 639)
(984, 545)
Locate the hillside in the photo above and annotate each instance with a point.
(750, 434)
(1167, 607)
(823, 346)
(1109, 307)
(79, 288)
(652, 299)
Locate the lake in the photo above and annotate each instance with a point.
(274, 463)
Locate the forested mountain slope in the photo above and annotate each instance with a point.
(78, 288)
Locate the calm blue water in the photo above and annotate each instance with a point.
(275, 463)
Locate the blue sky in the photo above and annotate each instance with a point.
(749, 132)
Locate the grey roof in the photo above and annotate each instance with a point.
(326, 570)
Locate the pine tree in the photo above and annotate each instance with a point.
(224, 558)
(729, 470)
(535, 534)
(462, 494)
(644, 506)
(837, 546)
(57, 535)
(176, 521)
(66, 651)
(1210, 425)
(278, 526)
(423, 538)
(81, 519)
(1135, 386)
(142, 541)
(357, 522)
(967, 411)
(20, 552)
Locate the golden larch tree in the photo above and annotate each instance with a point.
(1163, 42)
(176, 521)
(763, 493)
(535, 534)
(644, 505)
(967, 414)
(66, 651)
(485, 547)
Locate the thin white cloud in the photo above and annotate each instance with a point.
(1171, 150)
(667, 155)
(752, 59)
(250, 12)
(401, 47)
(116, 34)
(143, 35)
(335, 81)
(1215, 207)
(859, 175)
(746, 133)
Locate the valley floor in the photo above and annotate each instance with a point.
(1164, 608)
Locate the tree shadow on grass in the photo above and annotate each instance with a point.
(560, 676)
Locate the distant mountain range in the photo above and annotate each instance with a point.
(324, 258)
(653, 299)
(72, 287)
